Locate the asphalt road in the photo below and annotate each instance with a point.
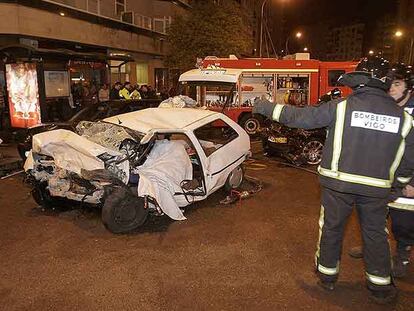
(254, 256)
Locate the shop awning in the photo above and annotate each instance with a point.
(18, 51)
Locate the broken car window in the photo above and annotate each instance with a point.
(214, 135)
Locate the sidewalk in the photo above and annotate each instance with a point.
(10, 160)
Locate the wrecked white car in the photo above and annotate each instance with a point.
(154, 160)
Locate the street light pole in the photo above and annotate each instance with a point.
(261, 28)
(298, 35)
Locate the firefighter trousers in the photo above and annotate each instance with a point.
(372, 213)
(402, 224)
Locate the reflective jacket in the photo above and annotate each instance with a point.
(366, 140)
(401, 202)
(124, 93)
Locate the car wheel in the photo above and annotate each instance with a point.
(123, 211)
(312, 151)
(251, 123)
(235, 178)
(42, 196)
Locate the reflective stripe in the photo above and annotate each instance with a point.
(408, 124)
(378, 280)
(404, 180)
(339, 130)
(356, 179)
(328, 271)
(323, 269)
(337, 147)
(321, 223)
(277, 111)
(401, 206)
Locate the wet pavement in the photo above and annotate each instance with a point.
(257, 255)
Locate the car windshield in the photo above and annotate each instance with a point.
(210, 94)
(107, 134)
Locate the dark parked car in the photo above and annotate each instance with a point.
(298, 146)
(90, 113)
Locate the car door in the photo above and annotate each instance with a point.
(225, 145)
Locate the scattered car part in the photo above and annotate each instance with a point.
(249, 187)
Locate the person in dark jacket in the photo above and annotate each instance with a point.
(114, 93)
(367, 136)
(402, 208)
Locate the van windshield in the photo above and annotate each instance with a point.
(210, 94)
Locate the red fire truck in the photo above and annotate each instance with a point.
(231, 85)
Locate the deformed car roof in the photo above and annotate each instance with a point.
(160, 118)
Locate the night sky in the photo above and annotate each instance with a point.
(309, 11)
(315, 17)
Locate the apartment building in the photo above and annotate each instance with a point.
(404, 45)
(96, 40)
(346, 42)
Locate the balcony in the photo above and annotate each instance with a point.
(107, 10)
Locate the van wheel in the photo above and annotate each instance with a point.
(235, 178)
(251, 123)
(123, 211)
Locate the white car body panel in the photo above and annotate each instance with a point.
(73, 152)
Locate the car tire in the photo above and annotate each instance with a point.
(235, 178)
(123, 211)
(312, 150)
(42, 196)
(251, 123)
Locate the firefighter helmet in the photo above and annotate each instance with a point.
(400, 71)
(370, 71)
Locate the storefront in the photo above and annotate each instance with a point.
(45, 85)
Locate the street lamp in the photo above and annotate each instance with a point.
(262, 23)
(261, 28)
(305, 49)
(298, 35)
(399, 34)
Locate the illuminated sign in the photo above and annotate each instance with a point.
(23, 94)
(212, 69)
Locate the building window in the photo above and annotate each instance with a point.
(120, 6)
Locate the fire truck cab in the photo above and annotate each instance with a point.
(231, 85)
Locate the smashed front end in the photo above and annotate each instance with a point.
(78, 166)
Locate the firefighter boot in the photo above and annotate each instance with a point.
(326, 282)
(326, 285)
(383, 297)
(401, 261)
(356, 252)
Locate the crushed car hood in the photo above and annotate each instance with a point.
(73, 152)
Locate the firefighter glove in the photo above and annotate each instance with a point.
(264, 107)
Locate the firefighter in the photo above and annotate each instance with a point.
(367, 135)
(402, 214)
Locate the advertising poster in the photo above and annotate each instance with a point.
(23, 94)
(57, 84)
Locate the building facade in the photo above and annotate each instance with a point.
(127, 36)
(404, 50)
(345, 42)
